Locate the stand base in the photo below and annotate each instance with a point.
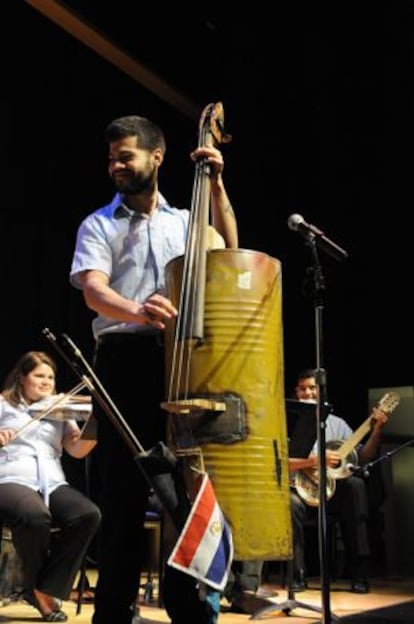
(291, 603)
(285, 607)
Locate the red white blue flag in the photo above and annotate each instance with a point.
(205, 547)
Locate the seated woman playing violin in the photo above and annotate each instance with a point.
(34, 493)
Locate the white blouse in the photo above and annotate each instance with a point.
(33, 458)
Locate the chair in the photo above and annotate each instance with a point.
(154, 526)
(10, 567)
(155, 559)
(82, 585)
(11, 577)
(334, 546)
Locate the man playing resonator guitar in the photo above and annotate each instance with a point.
(346, 493)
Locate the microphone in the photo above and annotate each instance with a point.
(298, 224)
(360, 471)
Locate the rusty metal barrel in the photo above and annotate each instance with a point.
(239, 365)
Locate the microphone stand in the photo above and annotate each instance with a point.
(364, 470)
(322, 411)
(287, 605)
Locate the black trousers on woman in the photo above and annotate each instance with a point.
(50, 561)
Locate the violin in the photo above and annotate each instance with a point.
(62, 406)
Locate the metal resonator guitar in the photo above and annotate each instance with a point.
(307, 480)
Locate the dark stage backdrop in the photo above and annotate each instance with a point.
(319, 105)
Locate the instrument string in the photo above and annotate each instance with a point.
(190, 320)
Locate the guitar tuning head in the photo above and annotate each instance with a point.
(389, 402)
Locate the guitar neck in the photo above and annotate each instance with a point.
(387, 404)
(349, 445)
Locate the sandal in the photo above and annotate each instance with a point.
(53, 614)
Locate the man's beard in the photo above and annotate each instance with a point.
(140, 183)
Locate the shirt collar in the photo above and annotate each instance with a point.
(118, 208)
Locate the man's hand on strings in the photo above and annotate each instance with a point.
(157, 309)
(333, 459)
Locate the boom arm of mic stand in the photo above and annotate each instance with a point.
(367, 467)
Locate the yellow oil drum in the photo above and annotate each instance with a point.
(238, 365)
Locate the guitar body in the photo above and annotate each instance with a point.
(307, 486)
(341, 471)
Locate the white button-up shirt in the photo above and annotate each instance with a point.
(132, 250)
(33, 458)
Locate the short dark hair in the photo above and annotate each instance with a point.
(149, 135)
(305, 373)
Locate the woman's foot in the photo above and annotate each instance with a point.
(48, 606)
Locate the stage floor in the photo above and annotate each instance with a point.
(341, 604)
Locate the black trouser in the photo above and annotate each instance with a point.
(349, 506)
(50, 561)
(137, 391)
(244, 576)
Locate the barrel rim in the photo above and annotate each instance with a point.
(228, 250)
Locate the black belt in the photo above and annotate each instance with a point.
(118, 338)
